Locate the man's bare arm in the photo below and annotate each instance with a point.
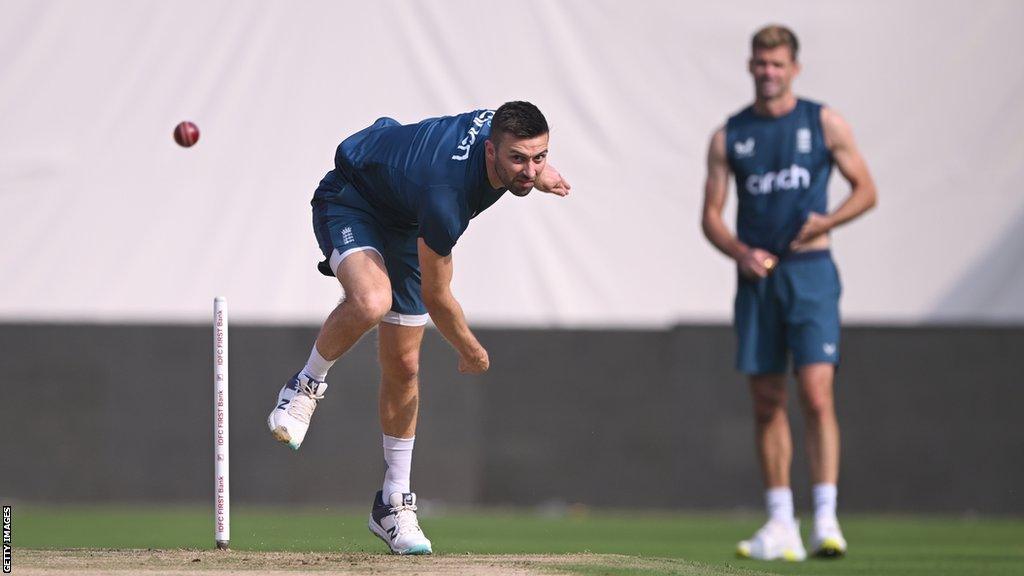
(752, 262)
(853, 167)
(436, 273)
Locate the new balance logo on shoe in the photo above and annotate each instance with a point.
(395, 523)
(298, 398)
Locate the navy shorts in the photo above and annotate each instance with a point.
(795, 310)
(348, 224)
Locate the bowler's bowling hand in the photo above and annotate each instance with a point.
(477, 362)
(757, 263)
(550, 180)
(814, 226)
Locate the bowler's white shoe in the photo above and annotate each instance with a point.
(776, 540)
(827, 540)
(289, 419)
(396, 524)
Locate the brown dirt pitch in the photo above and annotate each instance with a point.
(97, 562)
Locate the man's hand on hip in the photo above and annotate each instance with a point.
(814, 227)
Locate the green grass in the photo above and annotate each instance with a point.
(879, 544)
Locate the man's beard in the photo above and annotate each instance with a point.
(513, 184)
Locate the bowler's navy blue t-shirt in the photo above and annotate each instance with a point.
(430, 175)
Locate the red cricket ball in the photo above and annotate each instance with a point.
(186, 134)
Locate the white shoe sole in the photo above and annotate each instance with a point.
(743, 551)
(280, 433)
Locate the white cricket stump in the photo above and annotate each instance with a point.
(221, 476)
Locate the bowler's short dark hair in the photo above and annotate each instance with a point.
(519, 119)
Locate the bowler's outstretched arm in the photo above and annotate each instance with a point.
(436, 273)
(550, 180)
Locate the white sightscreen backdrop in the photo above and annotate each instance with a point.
(104, 218)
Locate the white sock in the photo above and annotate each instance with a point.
(317, 366)
(780, 503)
(825, 501)
(398, 456)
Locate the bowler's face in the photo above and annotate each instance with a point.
(518, 161)
(773, 70)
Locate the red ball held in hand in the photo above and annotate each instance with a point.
(186, 134)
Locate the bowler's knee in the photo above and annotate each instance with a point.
(402, 369)
(368, 307)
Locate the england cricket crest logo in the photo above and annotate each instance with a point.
(803, 140)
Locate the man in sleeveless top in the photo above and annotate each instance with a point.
(386, 219)
(781, 150)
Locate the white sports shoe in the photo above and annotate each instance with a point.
(289, 419)
(827, 540)
(396, 524)
(776, 540)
